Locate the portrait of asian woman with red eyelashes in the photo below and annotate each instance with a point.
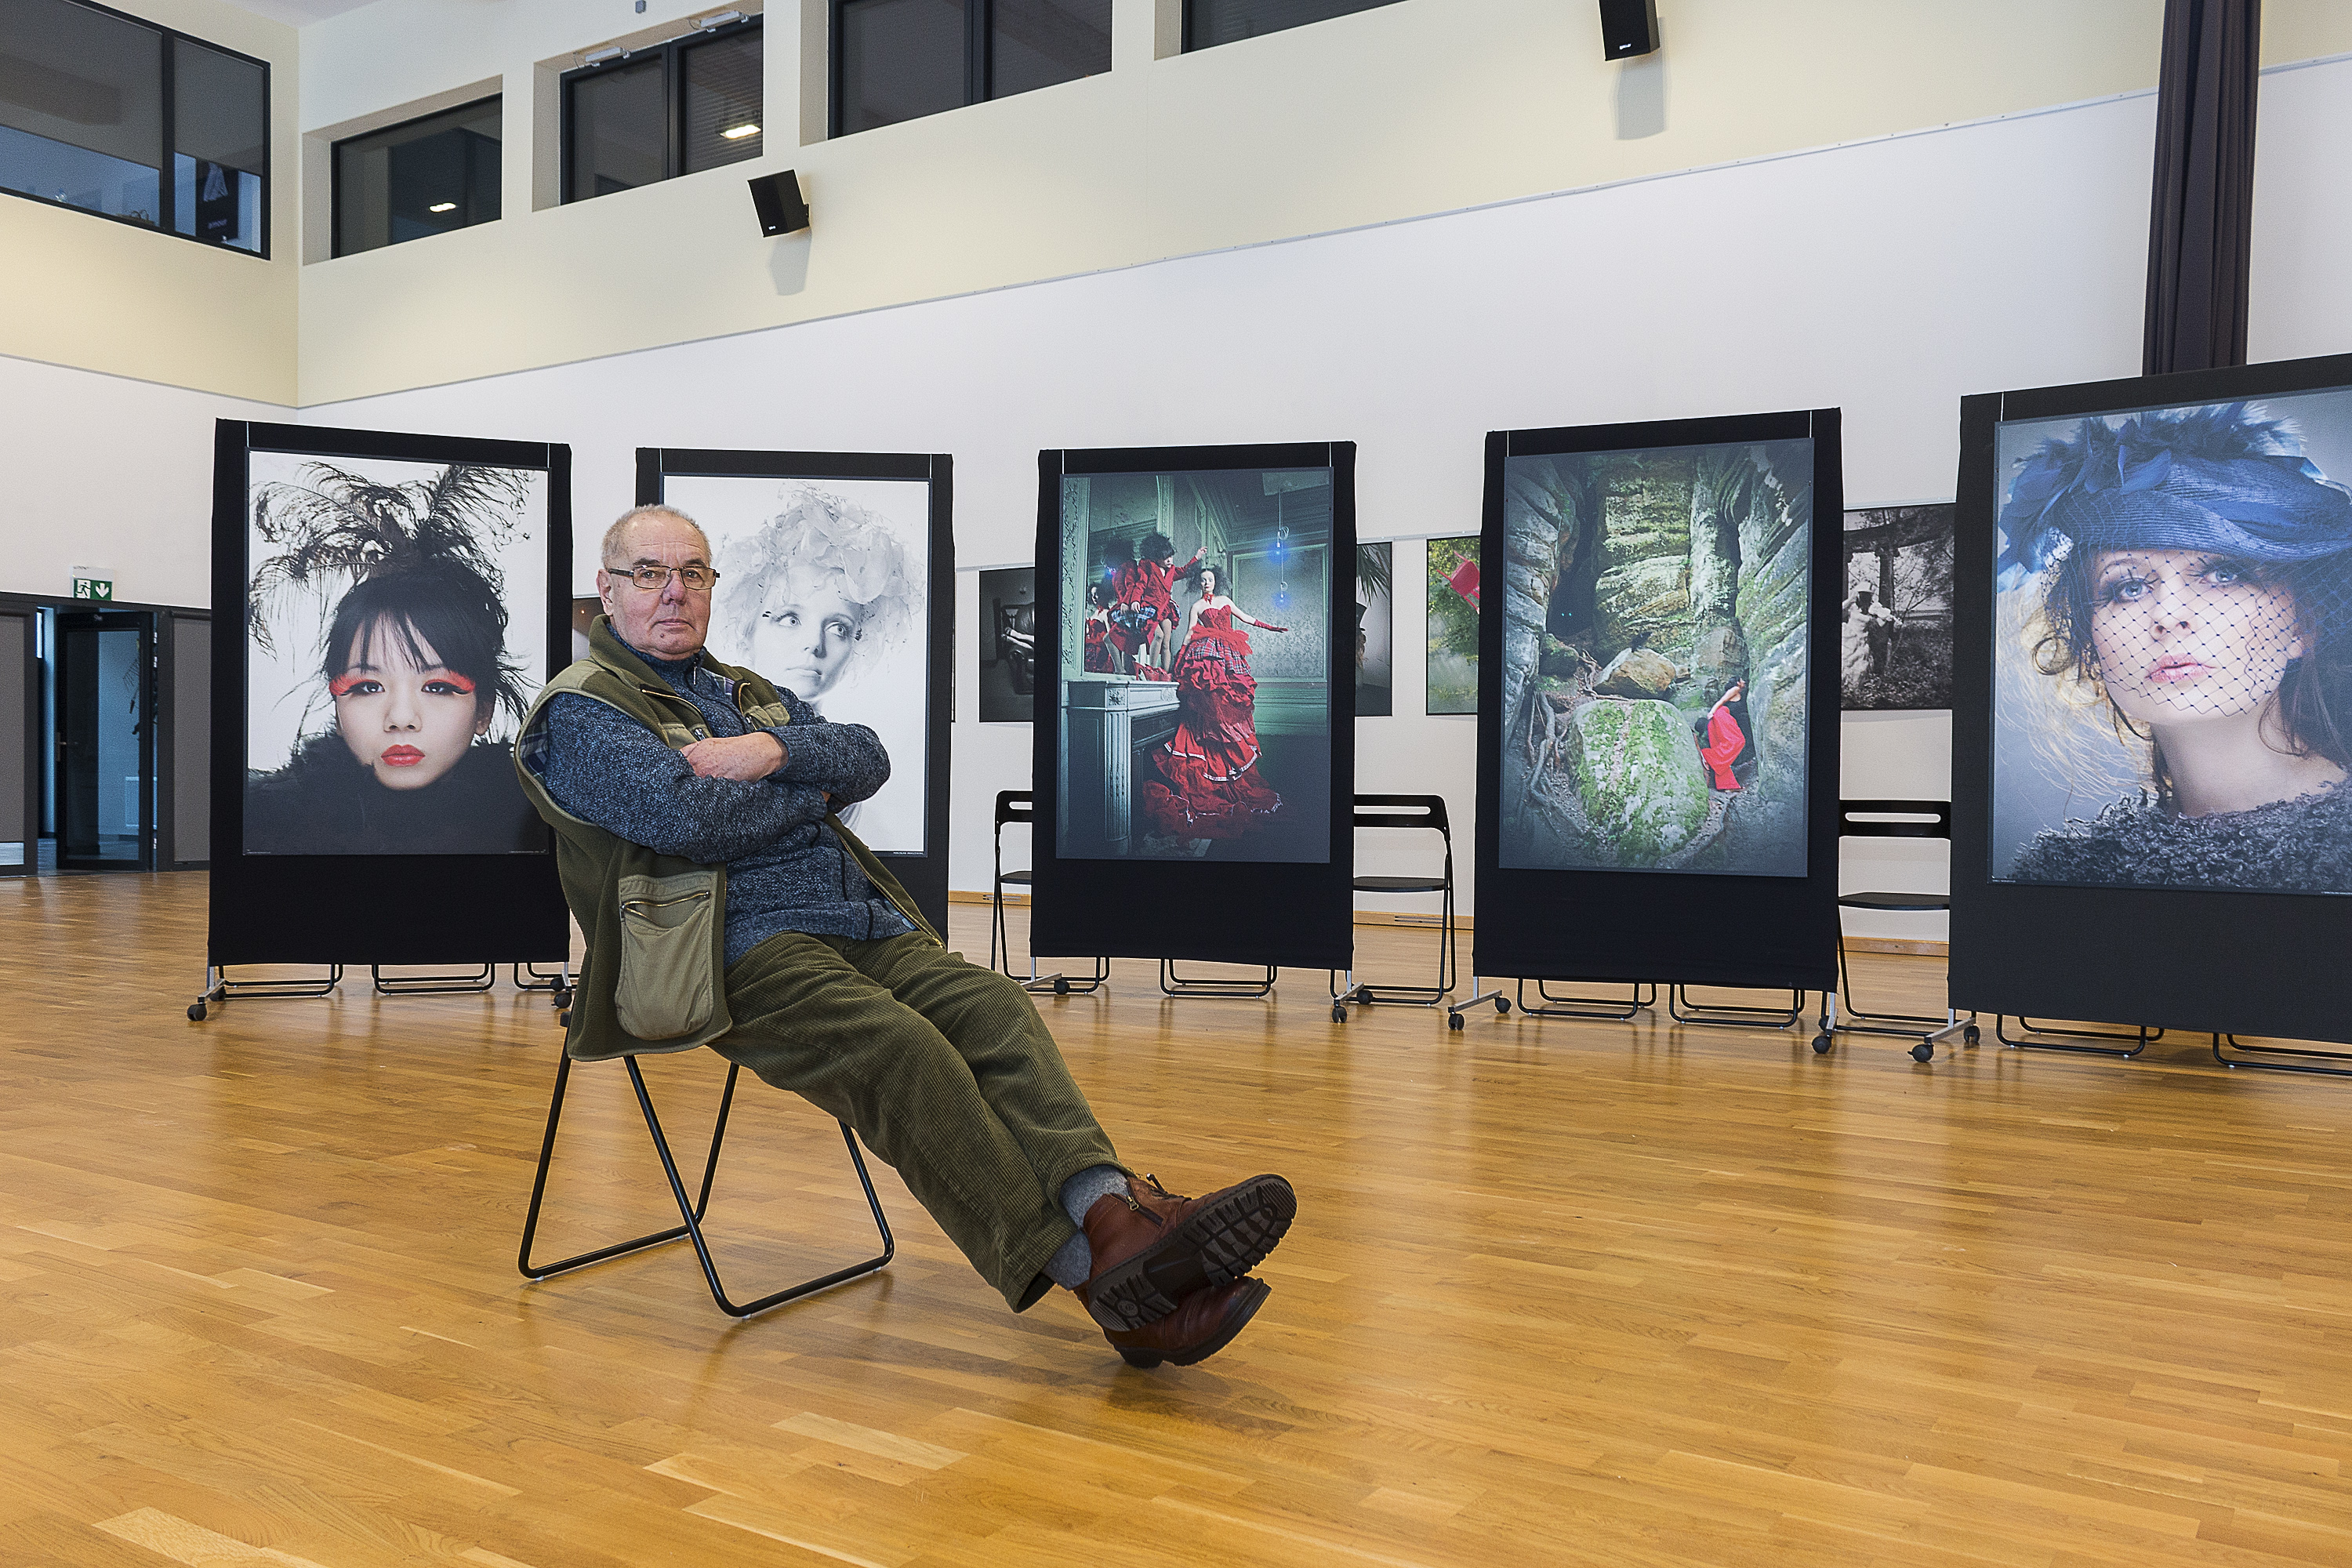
(396, 754)
(2177, 588)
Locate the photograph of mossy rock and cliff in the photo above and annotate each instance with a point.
(1658, 608)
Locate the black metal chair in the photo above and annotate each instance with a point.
(1425, 812)
(689, 1212)
(1018, 807)
(1898, 819)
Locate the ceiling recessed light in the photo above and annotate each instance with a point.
(442, 207)
(737, 133)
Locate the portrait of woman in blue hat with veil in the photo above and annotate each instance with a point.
(2182, 580)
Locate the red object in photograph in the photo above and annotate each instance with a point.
(1465, 582)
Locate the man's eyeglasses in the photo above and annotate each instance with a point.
(652, 579)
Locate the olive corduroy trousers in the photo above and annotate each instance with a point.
(946, 1072)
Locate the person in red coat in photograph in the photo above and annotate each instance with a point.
(1727, 734)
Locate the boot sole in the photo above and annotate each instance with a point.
(1215, 1246)
(1246, 1307)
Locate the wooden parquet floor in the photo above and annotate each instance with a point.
(1560, 1293)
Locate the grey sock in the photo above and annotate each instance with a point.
(1075, 1259)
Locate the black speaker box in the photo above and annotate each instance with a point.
(1629, 28)
(782, 208)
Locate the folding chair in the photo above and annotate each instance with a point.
(690, 1213)
(1898, 819)
(1019, 807)
(1426, 812)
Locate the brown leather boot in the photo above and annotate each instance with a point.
(1203, 1324)
(1152, 1248)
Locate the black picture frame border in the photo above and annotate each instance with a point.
(1288, 914)
(2257, 965)
(924, 876)
(1680, 927)
(343, 909)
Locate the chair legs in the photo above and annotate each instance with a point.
(1923, 1028)
(689, 1212)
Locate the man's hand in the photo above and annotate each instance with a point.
(744, 758)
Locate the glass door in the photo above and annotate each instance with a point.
(105, 740)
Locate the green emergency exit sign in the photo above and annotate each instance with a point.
(93, 587)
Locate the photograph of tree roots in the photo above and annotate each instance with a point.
(1656, 627)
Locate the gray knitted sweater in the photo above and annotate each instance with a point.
(786, 870)
(2298, 845)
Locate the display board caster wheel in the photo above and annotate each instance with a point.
(559, 999)
(1339, 1012)
(1822, 1044)
(1502, 1003)
(1453, 1022)
(1972, 1034)
(1923, 1052)
(197, 1013)
(1061, 987)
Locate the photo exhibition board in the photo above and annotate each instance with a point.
(1196, 742)
(1450, 586)
(835, 582)
(1375, 630)
(1008, 645)
(1895, 641)
(2153, 701)
(1658, 705)
(400, 600)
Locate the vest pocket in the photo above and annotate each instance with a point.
(665, 984)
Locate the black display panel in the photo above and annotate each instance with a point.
(2152, 691)
(1658, 702)
(836, 583)
(397, 600)
(1196, 699)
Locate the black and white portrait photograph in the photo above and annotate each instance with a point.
(823, 588)
(1375, 630)
(397, 621)
(1008, 646)
(2173, 648)
(1895, 641)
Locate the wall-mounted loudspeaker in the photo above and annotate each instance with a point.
(782, 210)
(1629, 28)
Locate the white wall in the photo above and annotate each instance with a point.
(1888, 277)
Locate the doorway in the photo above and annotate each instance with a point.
(103, 796)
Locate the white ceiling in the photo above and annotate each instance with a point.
(297, 12)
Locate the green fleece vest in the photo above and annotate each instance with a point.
(655, 977)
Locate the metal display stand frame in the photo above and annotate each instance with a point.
(2142, 1036)
(1547, 1005)
(219, 987)
(433, 984)
(1236, 989)
(1740, 1015)
(1479, 994)
(2237, 1044)
(689, 1212)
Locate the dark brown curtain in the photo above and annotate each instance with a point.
(2200, 223)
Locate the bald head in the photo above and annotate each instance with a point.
(614, 549)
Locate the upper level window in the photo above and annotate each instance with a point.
(83, 124)
(655, 114)
(901, 59)
(425, 176)
(1208, 23)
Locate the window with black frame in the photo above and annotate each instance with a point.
(1208, 23)
(84, 123)
(655, 114)
(901, 59)
(425, 176)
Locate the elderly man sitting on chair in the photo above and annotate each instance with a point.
(725, 906)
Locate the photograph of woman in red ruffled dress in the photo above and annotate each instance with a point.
(1208, 783)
